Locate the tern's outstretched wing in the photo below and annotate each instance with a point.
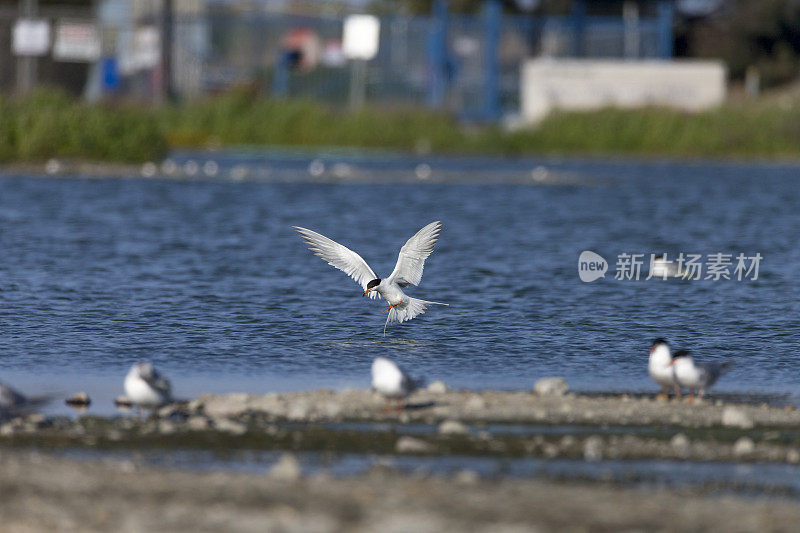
(340, 257)
(411, 261)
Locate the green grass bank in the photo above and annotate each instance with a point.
(50, 124)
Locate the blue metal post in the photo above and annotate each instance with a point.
(491, 95)
(437, 54)
(665, 16)
(280, 75)
(578, 19)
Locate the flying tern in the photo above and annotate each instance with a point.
(407, 271)
(696, 376)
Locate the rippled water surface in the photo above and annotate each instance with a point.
(207, 278)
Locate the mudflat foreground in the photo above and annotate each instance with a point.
(43, 493)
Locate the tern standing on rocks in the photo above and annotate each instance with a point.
(392, 381)
(696, 376)
(660, 368)
(407, 271)
(145, 387)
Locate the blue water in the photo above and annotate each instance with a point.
(206, 278)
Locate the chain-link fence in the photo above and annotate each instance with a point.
(468, 64)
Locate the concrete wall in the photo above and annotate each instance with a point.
(578, 84)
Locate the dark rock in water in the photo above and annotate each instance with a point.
(80, 399)
(123, 402)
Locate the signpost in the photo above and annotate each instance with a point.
(24, 36)
(360, 44)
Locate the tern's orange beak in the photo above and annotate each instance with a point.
(365, 293)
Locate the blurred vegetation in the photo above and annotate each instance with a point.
(49, 124)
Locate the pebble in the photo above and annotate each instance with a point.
(224, 406)
(551, 387)
(298, 410)
(123, 401)
(735, 417)
(793, 456)
(466, 477)
(80, 399)
(475, 403)
(452, 427)
(229, 426)
(593, 448)
(437, 387)
(681, 444)
(408, 444)
(287, 468)
(743, 446)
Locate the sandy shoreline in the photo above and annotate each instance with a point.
(40, 490)
(437, 421)
(41, 493)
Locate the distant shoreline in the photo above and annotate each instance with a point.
(49, 124)
(98, 169)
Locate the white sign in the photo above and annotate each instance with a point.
(76, 41)
(585, 84)
(147, 47)
(361, 36)
(144, 53)
(31, 37)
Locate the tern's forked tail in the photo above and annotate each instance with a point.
(408, 309)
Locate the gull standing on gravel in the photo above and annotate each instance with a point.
(407, 271)
(145, 387)
(392, 381)
(660, 367)
(696, 376)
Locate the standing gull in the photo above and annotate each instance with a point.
(145, 387)
(392, 381)
(696, 376)
(407, 271)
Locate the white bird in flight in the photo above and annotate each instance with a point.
(407, 271)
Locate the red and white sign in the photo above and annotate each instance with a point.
(77, 42)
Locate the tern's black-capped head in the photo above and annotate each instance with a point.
(680, 353)
(657, 343)
(371, 285)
